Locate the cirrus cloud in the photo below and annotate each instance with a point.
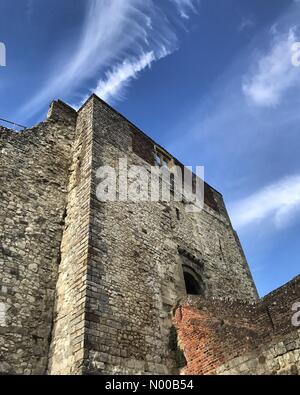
(274, 72)
(117, 79)
(276, 202)
(118, 40)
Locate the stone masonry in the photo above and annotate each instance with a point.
(91, 287)
(34, 170)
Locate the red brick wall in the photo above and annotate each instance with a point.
(214, 332)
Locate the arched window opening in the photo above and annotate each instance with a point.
(192, 285)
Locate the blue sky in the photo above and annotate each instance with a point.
(211, 80)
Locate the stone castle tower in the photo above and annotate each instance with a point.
(88, 287)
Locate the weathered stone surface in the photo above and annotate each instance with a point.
(87, 286)
(34, 168)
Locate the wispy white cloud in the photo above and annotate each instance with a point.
(246, 23)
(274, 72)
(115, 36)
(277, 202)
(116, 80)
(101, 41)
(185, 7)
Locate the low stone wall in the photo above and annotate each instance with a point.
(231, 337)
(275, 358)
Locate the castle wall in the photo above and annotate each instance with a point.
(231, 337)
(34, 178)
(66, 354)
(136, 252)
(89, 286)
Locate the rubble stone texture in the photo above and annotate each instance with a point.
(89, 287)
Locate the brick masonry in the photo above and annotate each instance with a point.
(89, 287)
(233, 337)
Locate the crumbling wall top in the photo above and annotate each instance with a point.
(59, 110)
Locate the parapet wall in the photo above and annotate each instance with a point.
(231, 337)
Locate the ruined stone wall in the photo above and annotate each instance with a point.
(231, 337)
(34, 175)
(67, 346)
(123, 333)
(135, 261)
(98, 281)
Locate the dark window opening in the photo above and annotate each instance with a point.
(191, 284)
(178, 214)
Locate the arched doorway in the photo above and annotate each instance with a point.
(193, 282)
(191, 285)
